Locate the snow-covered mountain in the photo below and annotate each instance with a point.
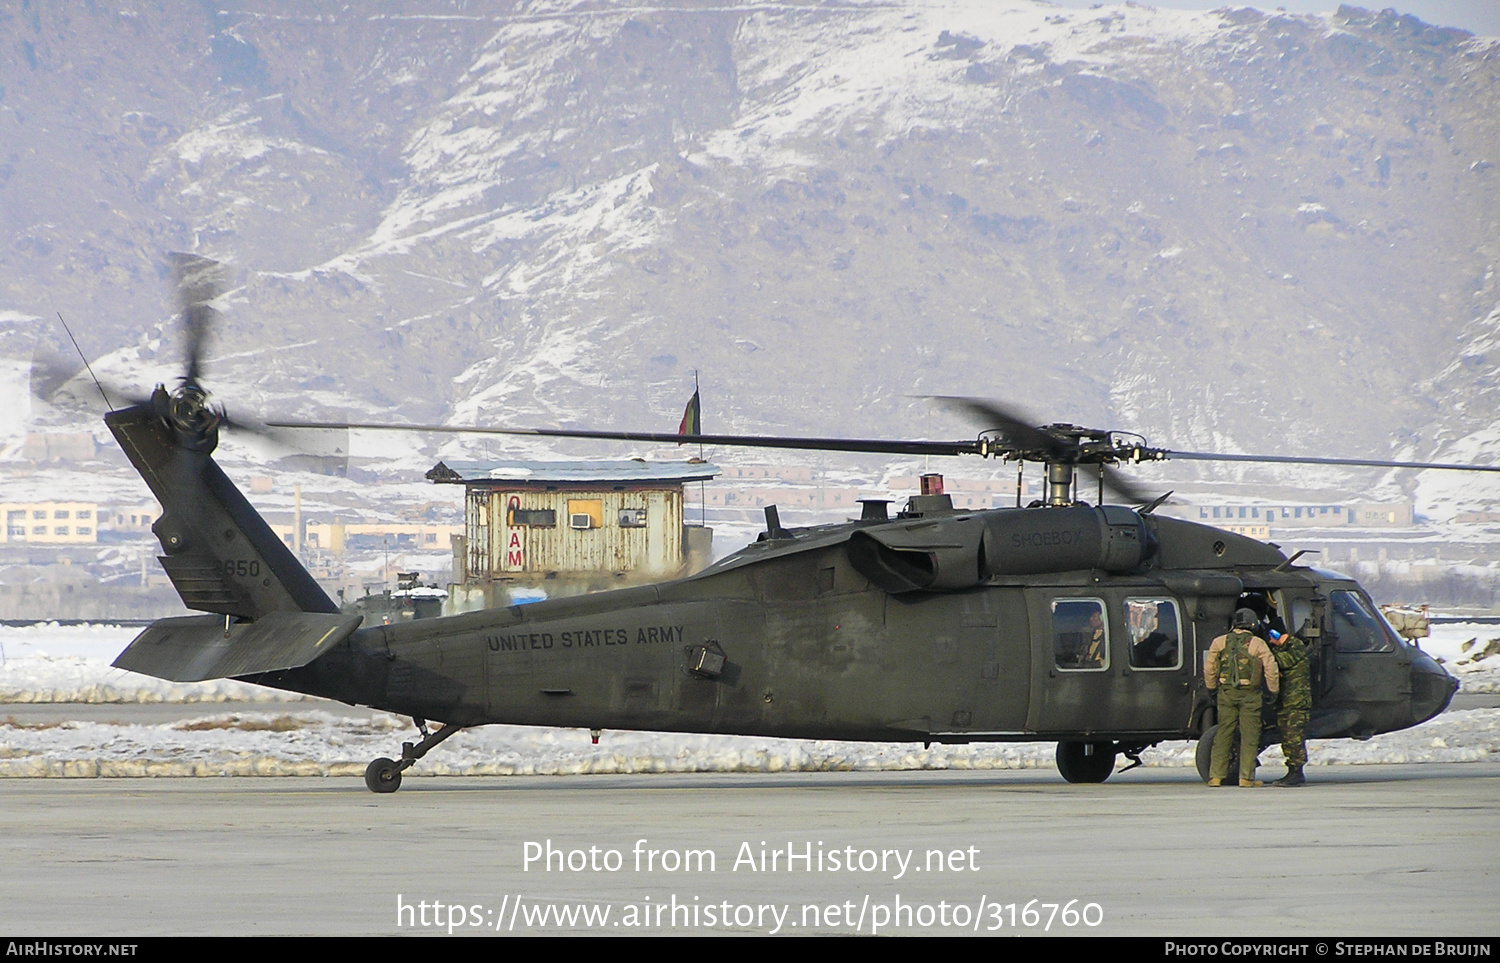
(1233, 230)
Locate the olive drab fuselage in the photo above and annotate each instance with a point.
(1082, 624)
(812, 647)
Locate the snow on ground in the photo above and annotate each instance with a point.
(1447, 644)
(311, 743)
(51, 663)
(71, 663)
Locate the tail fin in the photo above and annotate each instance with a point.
(222, 558)
(221, 555)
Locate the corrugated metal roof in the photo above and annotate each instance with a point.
(469, 472)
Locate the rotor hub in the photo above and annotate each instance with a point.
(186, 410)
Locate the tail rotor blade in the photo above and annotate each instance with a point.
(50, 378)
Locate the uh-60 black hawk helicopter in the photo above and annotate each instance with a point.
(1061, 621)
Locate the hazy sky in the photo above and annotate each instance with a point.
(1477, 16)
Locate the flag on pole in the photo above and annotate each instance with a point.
(692, 417)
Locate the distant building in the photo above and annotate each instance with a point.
(340, 536)
(1275, 515)
(58, 446)
(786, 473)
(801, 496)
(1383, 514)
(979, 494)
(571, 527)
(129, 518)
(751, 487)
(50, 523)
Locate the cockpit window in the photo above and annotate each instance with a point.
(1080, 634)
(1155, 633)
(1357, 628)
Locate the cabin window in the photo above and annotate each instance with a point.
(1356, 627)
(632, 518)
(535, 517)
(1080, 634)
(1155, 633)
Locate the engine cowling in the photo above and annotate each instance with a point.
(960, 551)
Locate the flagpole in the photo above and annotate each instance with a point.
(702, 491)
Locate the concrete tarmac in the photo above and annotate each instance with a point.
(1361, 851)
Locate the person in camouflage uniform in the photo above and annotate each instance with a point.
(1292, 711)
(1236, 665)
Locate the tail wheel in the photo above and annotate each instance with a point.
(1085, 761)
(383, 775)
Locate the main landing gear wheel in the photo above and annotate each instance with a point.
(383, 775)
(1085, 761)
(1205, 754)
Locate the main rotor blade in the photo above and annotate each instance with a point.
(1128, 490)
(199, 281)
(1012, 425)
(871, 445)
(1021, 437)
(1357, 462)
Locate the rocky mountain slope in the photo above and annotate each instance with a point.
(1233, 230)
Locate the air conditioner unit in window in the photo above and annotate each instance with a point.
(580, 520)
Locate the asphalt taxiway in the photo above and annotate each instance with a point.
(1362, 850)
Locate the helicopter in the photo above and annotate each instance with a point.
(1060, 621)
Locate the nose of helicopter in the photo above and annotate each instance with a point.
(1432, 688)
